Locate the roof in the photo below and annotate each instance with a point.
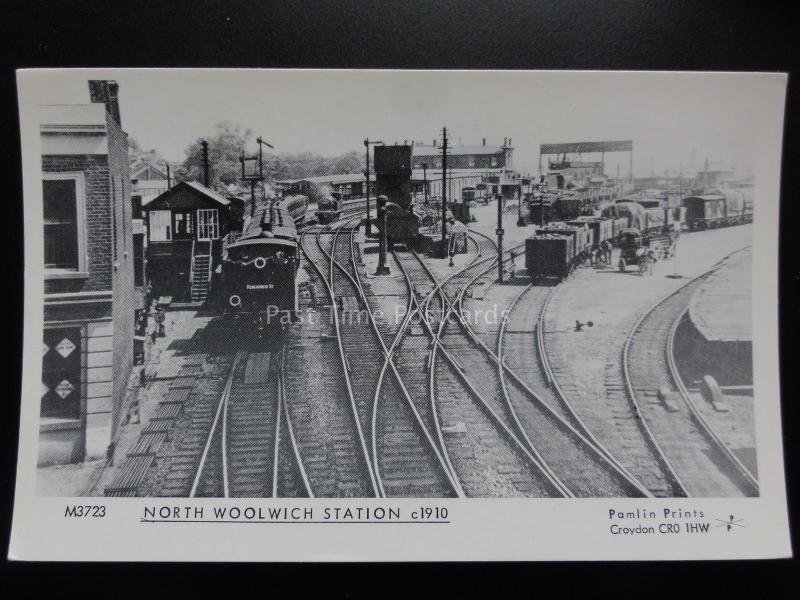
(721, 307)
(419, 150)
(336, 179)
(196, 187)
(140, 165)
(705, 197)
(573, 147)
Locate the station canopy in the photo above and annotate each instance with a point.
(577, 147)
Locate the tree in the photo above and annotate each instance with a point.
(224, 148)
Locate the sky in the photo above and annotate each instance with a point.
(675, 120)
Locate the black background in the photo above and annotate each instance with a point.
(559, 34)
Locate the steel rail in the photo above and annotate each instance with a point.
(504, 369)
(356, 282)
(695, 411)
(343, 358)
(631, 393)
(437, 343)
(289, 427)
(556, 387)
(584, 435)
(418, 310)
(457, 308)
(277, 449)
(221, 407)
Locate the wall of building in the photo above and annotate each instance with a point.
(497, 160)
(101, 304)
(123, 297)
(98, 220)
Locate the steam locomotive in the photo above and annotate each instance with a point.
(329, 208)
(393, 179)
(259, 266)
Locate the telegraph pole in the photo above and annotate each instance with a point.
(500, 238)
(367, 142)
(444, 191)
(257, 173)
(204, 144)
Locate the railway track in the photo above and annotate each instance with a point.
(698, 460)
(713, 422)
(249, 449)
(330, 438)
(397, 447)
(551, 437)
(406, 460)
(487, 455)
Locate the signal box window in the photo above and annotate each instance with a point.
(182, 225)
(62, 196)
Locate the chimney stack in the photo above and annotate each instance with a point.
(484, 141)
(106, 92)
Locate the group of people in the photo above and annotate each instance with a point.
(601, 255)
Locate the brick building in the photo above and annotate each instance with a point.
(481, 157)
(89, 298)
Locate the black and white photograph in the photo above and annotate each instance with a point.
(398, 285)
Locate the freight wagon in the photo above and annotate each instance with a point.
(549, 255)
(710, 211)
(602, 228)
(580, 238)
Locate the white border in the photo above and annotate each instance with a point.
(479, 529)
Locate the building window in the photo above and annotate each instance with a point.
(61, 373)
(63, 206)
(182, 224)
(207, 224)
(494, 161)
(160, 225)
(471, 161)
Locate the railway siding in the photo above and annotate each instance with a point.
(587, 363)
(695, 458)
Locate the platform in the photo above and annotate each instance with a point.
(721, 309)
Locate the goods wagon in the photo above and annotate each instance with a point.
(602, 228)
(710, 211)
(548, 255)
(632, 211)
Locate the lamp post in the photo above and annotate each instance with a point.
(367, 143)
